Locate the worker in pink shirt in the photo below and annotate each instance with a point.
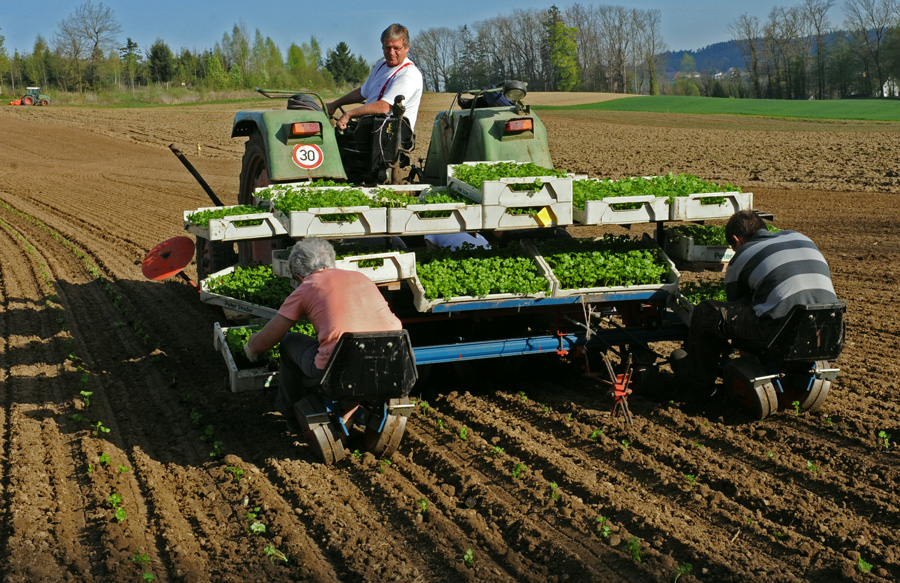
(334, 301)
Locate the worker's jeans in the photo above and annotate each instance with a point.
(297, 372)
(713, 323)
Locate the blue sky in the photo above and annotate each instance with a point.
(199, 25)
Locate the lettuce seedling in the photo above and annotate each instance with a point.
(885, 439)
(469, 558)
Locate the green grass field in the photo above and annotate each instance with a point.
(855, 109)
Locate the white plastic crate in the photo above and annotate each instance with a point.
(232, 307)
(370, 221)
(409, 220)
(556, 215)
(682, 247)
(604, 211)
(499, 192)
(692, 207)
(240, 380)
(395, 265)
(670, 285)
(229, 228)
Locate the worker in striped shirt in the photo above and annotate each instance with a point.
(769, 274)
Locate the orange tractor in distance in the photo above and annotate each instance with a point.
(33, 96)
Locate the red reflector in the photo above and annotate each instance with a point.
(519, 125)
(308, 128)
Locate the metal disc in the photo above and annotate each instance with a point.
(386, 442)
(759, 401)
(814, 398)
(168, 258)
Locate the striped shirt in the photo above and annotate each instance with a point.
(777, 271)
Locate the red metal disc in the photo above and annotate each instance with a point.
(168, 258)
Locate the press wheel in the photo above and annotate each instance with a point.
(759, 401)
(386, 442)
(320, 431)
(817, 391)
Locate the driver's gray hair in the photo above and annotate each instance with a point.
(395, 30)
(310, 255)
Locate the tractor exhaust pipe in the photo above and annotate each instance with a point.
(195, 174)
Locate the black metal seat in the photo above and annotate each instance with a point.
(369, 366)
(808, 333)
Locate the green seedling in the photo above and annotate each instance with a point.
(691, 478)
(749, 520)
(497, 450)
(123, 469)
(603, 527)
(697, 445)
(85, 378)
(99, 428)
(546, 408)
(217, 449)
(469, 558)
(864, 566)
(104, 458)
(274, 554)
(634, 547)
(86, 395)
(796, 406)
(114, 500)
(425, 408)
(382, 465)
(595, 434)
(464, 433)
(236, 473)
(90, 468)
(684, 569)
(147, 576)
(195, 417)
(257, 528)
(770, 454)
(357, 454)
(208, 433)
(140, 558)
(885, 439)
(811, 466)
(252, 514)
(569, 416)
(423, 505)
(440, 425)
(522, 394)
(779, 535)
(519, 470)
(554, 491)
(625, 444)
(120, 514)
(77, 417)
(829, 422)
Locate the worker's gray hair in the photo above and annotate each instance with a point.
(395, 31)
(310, 255)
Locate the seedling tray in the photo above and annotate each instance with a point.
(240, 380)
(395, 266)
(500, 193)
(553, 215)
(669, 286)
(608, 211)
(230, 228)
(309, 223)
(410, 220)
(233, 308)
(681, 247)
(423, 304)
(692, 207)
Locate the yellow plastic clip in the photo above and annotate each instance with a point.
(545, 217)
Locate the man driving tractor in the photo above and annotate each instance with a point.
(334, 301)
(769, 274)
(394, 76)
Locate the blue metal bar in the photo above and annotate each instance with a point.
(617, 296)
(540, 344)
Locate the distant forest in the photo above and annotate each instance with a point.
(796, 53)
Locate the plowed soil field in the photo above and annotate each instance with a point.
(113, 407)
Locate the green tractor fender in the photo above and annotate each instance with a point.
(288, 145)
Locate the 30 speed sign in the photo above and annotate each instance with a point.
(308, 156)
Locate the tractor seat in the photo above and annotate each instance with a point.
(369, 366)
(808, 333)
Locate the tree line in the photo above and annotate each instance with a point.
(795, 53)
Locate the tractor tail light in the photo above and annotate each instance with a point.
(520, 125)
(309, 128)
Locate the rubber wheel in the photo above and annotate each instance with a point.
(28, 100)
(385, 443)
(324, 438)
(254, 174)
(45, 102)
(817, 392)
(801, 387)
(213, 256)
(760, 401)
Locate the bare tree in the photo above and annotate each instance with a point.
(98, 27)
(746, 34)
(649, 44)
(72, 45)
(434, 51)
(816, 12)
(869, 22)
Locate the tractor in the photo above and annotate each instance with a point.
(33, 96)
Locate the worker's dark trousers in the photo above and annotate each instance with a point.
(713, 323)
(297, 372)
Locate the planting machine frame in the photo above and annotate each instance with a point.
(294, 146)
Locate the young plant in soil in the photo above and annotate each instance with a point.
(684, 569)
(519, 471)
(634, 547)
(236, 473)
(603, 528)
(885, 439)
(422, 503)
(497, 451)
(554, 491)
(274, 554)
(469, 558)
(864, 567)
(691, 479)
(383, 465)
(464, 433)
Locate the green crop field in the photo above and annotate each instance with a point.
(856, 109)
